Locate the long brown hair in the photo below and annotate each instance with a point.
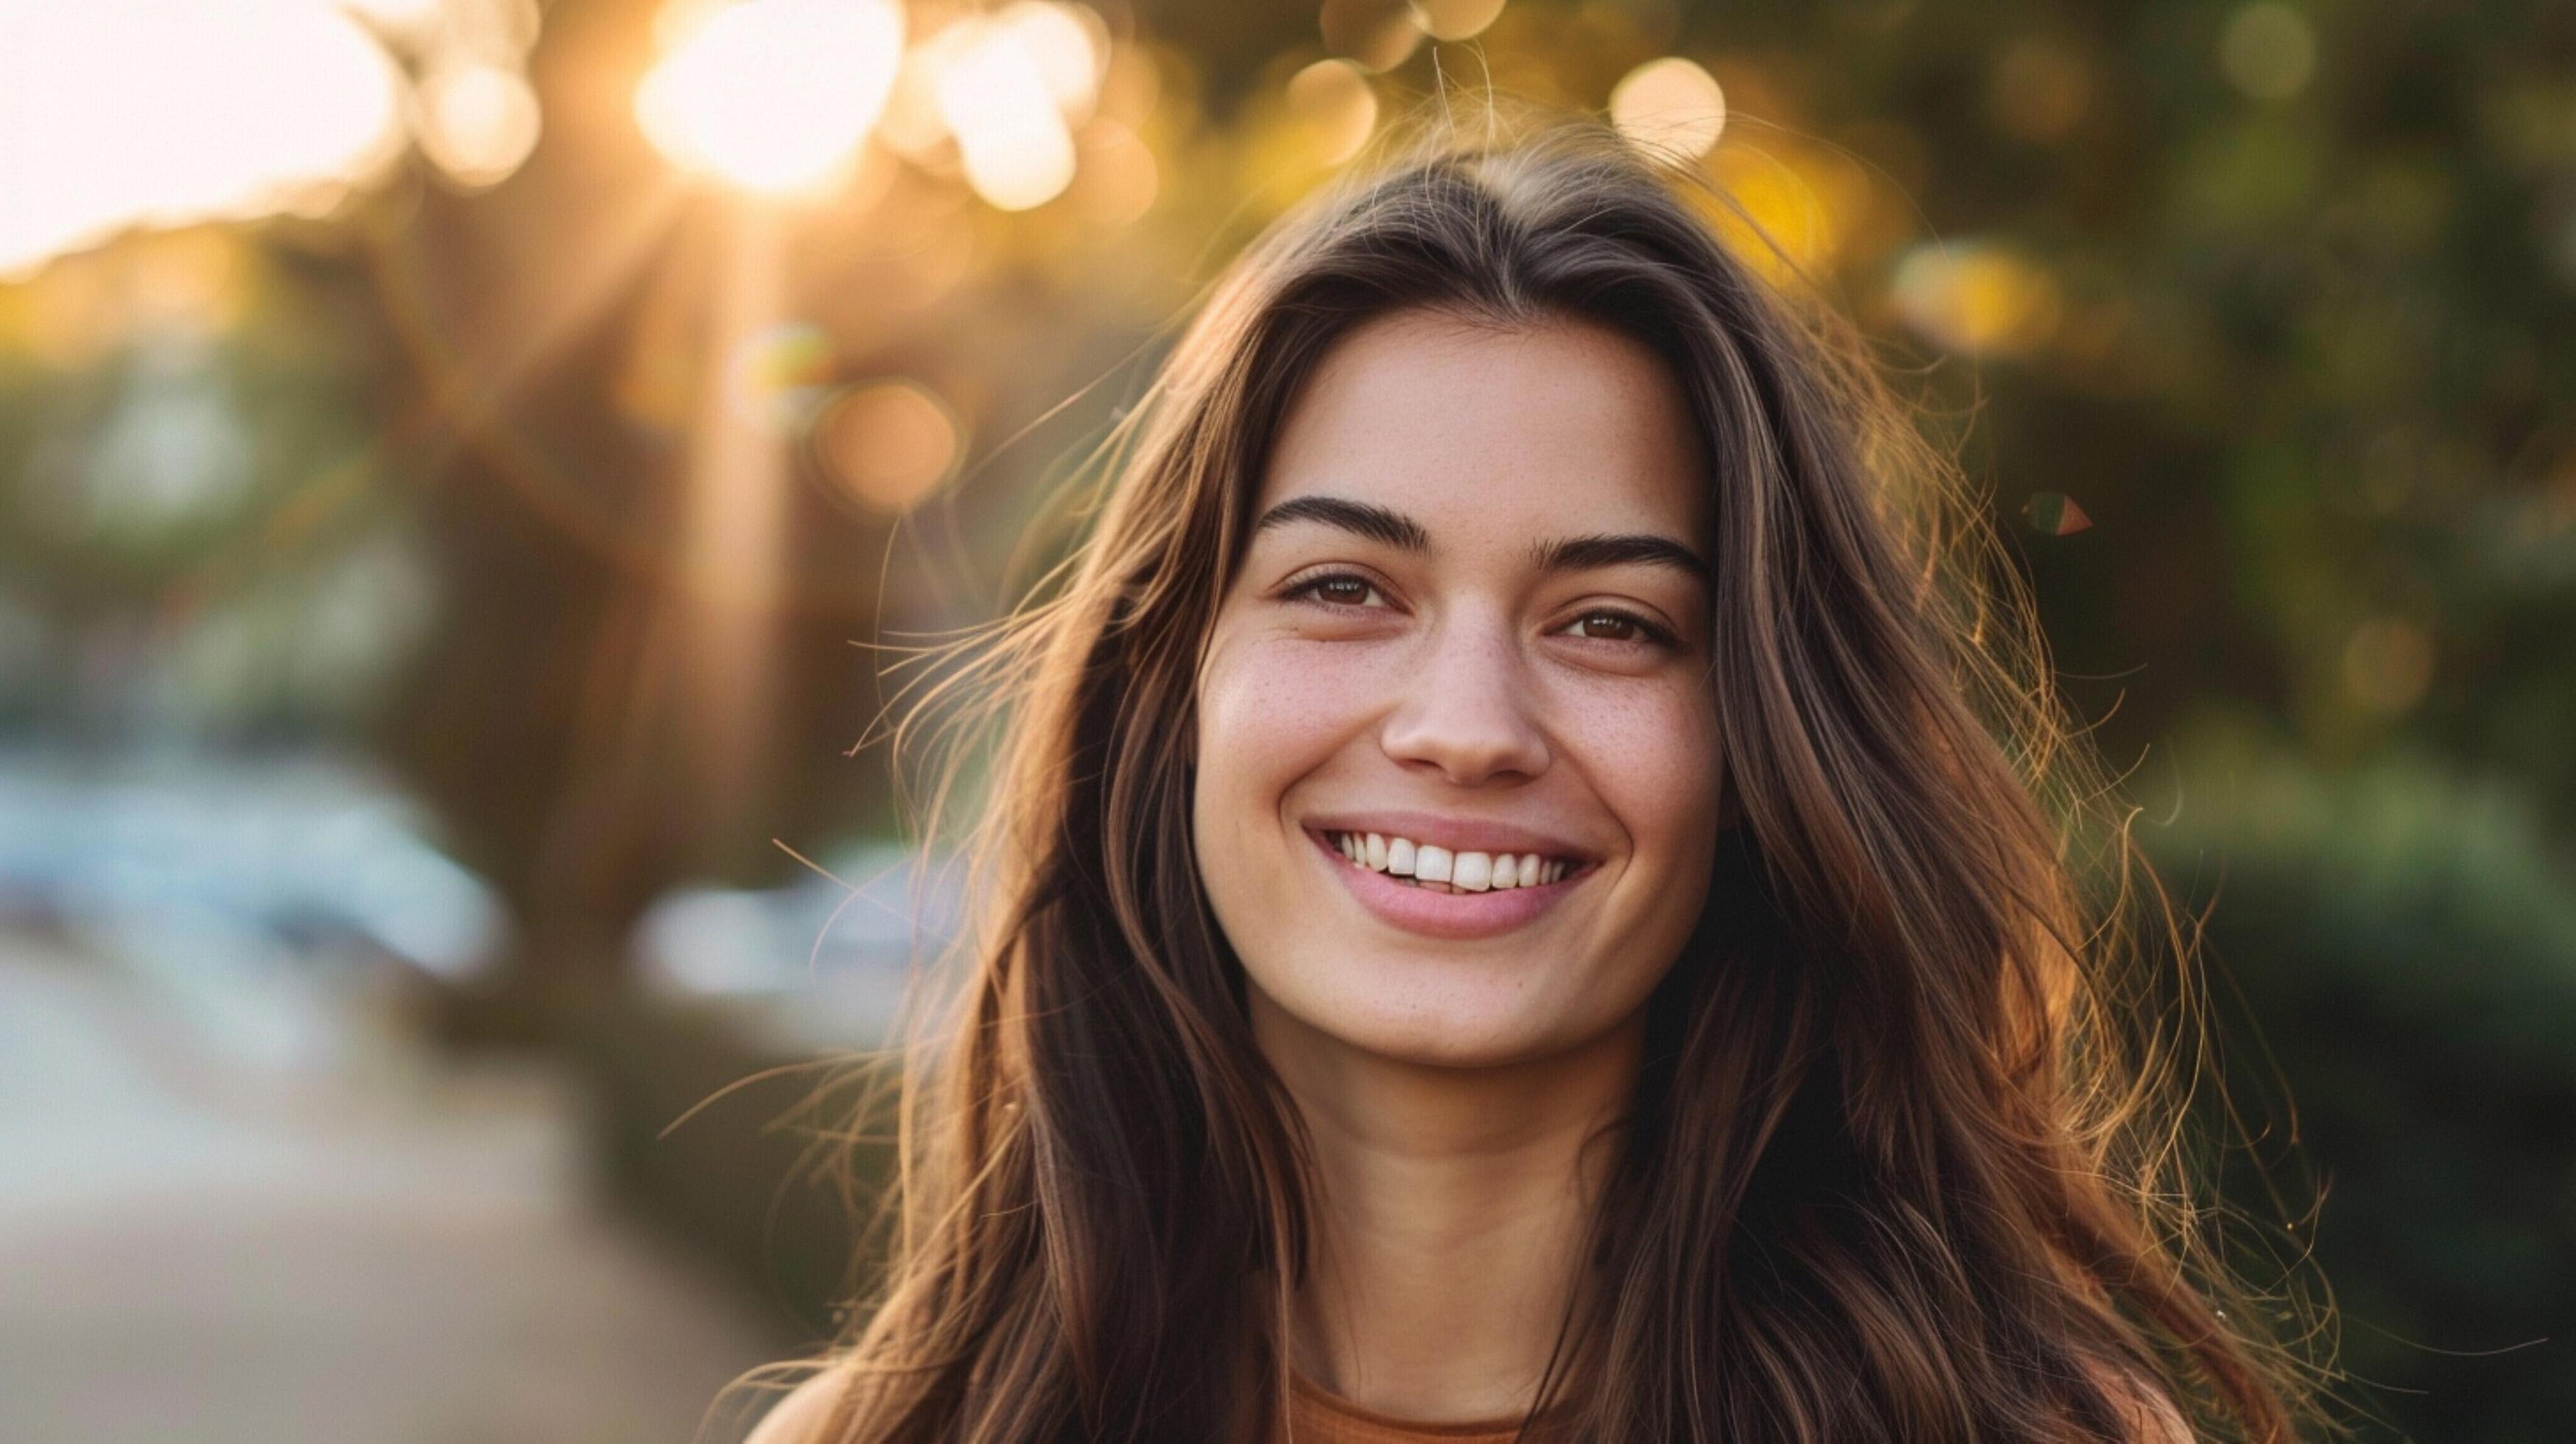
(1904, 1160)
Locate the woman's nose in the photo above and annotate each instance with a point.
(1466, 709)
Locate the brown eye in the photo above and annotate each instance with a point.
(1334, 589)
(1623, 627)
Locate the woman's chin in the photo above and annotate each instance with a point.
(1438, 1031)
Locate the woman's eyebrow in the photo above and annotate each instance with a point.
(1375, 522)
(1566, 554)
(1585, 553)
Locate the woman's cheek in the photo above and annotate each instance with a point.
(1652, 758)
(1278, 706)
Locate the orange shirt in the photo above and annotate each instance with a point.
(1317, 1417)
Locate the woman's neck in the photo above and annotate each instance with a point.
(1455, 1205)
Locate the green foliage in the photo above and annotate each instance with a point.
(2404, 943)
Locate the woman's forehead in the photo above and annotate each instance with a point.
(1480, 432)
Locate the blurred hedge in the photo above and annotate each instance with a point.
(723, 1140)
(2406, 941)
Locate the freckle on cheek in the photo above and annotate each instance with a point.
(1278, 697)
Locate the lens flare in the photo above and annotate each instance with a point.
(777, 376)
(2054, 513)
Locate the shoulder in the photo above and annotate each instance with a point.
(799, 1418)
(2147, 1409)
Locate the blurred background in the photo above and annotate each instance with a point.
(459, 460)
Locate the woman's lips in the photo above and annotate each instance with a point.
(1439, 914)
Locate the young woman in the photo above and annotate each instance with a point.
(1522, 902)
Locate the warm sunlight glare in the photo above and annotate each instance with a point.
(774, 95)
(119, 113)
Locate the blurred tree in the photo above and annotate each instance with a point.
(567, 716)
(665, 565)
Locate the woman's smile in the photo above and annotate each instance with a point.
(1426, 889)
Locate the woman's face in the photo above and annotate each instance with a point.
(1470, 632)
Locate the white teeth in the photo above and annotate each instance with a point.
(1464, 871)
(1431, 864)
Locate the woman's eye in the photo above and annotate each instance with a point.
(1610, 626)
(1340, 589)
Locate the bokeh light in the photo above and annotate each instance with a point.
(2388, 663)
(1118, 178)
(1670, 107)
(1334, 104)
(1377, 34)
(2268, 50)
(1070, 45)
(888, 444)
(1006, 89)
(773, 95)
(1815, 203)
(477, 122)
(1455, 19)
(2040, 90)
(1976, 298)
(912, 125)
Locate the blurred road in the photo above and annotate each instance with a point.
(268, 1218)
